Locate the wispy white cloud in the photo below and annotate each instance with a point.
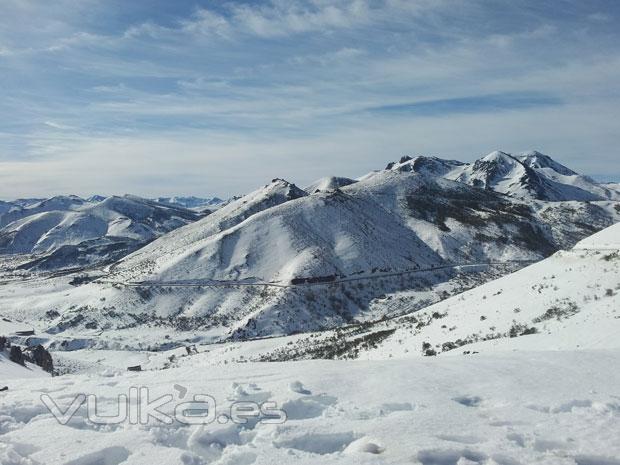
(55, 125)
(599, 17)
(295, 86)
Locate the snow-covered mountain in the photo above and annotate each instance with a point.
(392, 223)
(530, 175)
(178, 242)
(19, 209)
(569, 301)
(70, 231)
(560, 174)
(505, 173)
(431, 166)
(280, 261)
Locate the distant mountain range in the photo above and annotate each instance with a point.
(194, 203)
(68, 231)
(282, 260)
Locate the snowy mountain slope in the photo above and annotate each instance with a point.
(466, 225)
(165, 250)
(543, 164)
(368, 227)
(461, 223)
(568, 301)
(298, 239)
(328, 183)
(606, 239)
(301, 243)
(539, 161)
(113, 223)
(571, 221)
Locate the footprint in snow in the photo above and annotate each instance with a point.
(318, 443)
(461, 439)
(550, 445)
(595, 460)
(108, 456)
(364, 445)
(308, 407)
(248, 392)
(451, 457)
(468, 401)
(211, 441)
(391, 407)
(517, 438)
(462, 457)
(299, 388)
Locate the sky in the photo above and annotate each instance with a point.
(159, 97)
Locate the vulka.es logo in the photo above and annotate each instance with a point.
(136, 407)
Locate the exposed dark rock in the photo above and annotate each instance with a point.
(41, 357)
(16, 355)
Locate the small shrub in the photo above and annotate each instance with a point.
(520, 329)
(446, 346)
(567, 309)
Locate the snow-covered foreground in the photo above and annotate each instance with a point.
(503, 408)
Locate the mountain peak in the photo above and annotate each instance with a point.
(290, 190)
(428, 165)
(328, 183)
(537, 160)
(498, 155)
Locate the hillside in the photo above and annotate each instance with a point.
(567, 302)
(71, 232)
(570, 301)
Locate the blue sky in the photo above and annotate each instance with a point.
(158, 97)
